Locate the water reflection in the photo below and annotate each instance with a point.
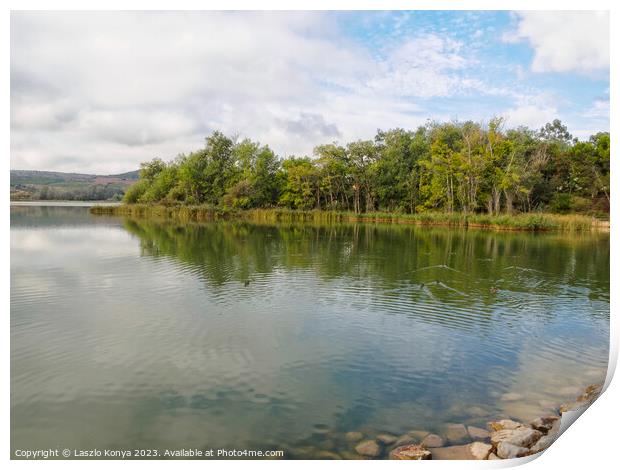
(400, 262)
(142, 333)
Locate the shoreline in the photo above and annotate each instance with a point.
(532, 222)
(503, 439)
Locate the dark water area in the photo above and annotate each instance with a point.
(144, 334)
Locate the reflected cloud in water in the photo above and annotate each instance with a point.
(147, 333)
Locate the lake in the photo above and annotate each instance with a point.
(145, 334)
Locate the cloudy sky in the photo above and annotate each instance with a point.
(101, 92)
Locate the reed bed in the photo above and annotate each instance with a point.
(203, 213)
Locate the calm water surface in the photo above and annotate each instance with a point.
(142, 334)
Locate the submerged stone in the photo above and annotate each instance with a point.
(456, 433)
(569, 391)
(433, 440)
(348, 455)
(410, 452)
(418, 434)
(594, 389)
(522, 437)
(543, 444)
(511, 396)
(327, 455)
(354, 436)
(406, 439)
(478, 433)
(555, 428)
(545, 441)
(328, 444)
(303, 452)
(386, 439)
(368, 449)
(480, 450)
(591, 392)
(544, 423)
(477, 411)
(505, 450)
(505, 424)
(462, 452)
(573, 405)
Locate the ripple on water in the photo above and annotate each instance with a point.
(225, 334)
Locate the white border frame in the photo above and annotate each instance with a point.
(591, 442)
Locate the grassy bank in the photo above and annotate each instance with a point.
(185, 213)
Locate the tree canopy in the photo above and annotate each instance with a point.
(455, 166)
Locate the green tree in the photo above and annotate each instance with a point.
(456, 166)
(300, 190)
(362, 155)
(335, 182)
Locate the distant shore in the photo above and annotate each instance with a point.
(63, 203)
(201, 213)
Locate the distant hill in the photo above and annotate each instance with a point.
(55, 185)
(130, 175)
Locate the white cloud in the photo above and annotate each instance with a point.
(533, 110)
(105, 91)
(565, 41)
(530, 115)
(599, 110)
(136, 127)
(101, 92)
(94, 90)
(595, 119)
(422, 66)
(52, 114)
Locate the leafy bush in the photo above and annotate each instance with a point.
(561, 203)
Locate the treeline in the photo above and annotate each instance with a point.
(99, 192)
(451, 167)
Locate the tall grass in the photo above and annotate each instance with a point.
(186, 213)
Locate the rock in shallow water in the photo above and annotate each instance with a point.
(591, 392)
(349, 455)
(480, 450)
(386, 439)
(544, 423)
(327, 455)
(569, 390)
(542, 444)
(478, 433)
(368, 449)
(583, 400)
(521, 437)
(512, 396)
(473, 451)
(432, 440)
(354, 436)
(477, 411)
(410, 452)
(573, 405)
(555, 428)
(418, 434)
(462, 452)
(303, 452)
(545, 441)
(406, 439)
(456, 433)
(506, 450)
(505, 424)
